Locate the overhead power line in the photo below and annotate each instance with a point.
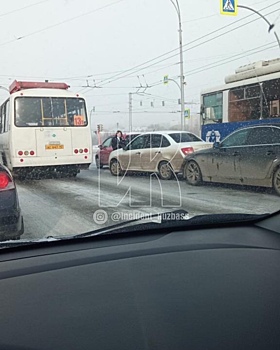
(135, 69)
(224, 61)
(22, 8)
(232, 59)
(60, 23)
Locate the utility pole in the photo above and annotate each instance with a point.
(130, 113)
(182, 78)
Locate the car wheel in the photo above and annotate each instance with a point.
(276, 181)
(21, 232)
(165, 171)
(115, 168)
(192, 173)
(98, 164)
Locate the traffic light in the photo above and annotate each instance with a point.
(99, 127)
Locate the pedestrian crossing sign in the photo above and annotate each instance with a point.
(228, 7)
(187, 113)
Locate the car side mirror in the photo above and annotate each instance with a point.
(216, 144)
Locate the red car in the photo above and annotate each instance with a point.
(102, 157)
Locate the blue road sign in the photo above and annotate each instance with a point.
(228, 7)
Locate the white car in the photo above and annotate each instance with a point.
(160, 152)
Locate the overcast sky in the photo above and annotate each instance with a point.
(99, 42)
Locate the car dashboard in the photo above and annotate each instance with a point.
(211, 287)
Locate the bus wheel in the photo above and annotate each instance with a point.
(192, 173)
(276, 181)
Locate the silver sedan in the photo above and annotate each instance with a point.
(156, 152)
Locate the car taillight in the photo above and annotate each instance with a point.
(187, 150)
(5, 182)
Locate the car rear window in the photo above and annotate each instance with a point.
(184, 137)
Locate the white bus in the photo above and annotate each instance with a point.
(250, 96)
(44, 128)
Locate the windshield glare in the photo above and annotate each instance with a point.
(122, 110)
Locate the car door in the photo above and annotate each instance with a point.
(130, 157)
(153, 153)
(224, 162)
(257, 157)
(105, 150)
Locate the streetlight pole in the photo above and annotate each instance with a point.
(271, 25)
(130, 113)
(182, 83)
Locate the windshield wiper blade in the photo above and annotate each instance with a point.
(173, 220)
(182, 220)
(151, 220)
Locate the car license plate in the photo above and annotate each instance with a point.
(54, 147)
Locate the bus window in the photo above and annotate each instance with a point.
(245, 103)
(272, 92)
(76, 112)
(50, 111)
(213, 107)
(4, 117)
(7, 111)
(27, 111)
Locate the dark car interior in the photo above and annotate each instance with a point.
(201, 285)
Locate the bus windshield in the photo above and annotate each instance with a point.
(50, 111)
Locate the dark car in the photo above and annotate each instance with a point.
(11, 220)
(249, 156)
(105, 149)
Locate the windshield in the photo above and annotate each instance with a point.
(49, 111)
(120, 110)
